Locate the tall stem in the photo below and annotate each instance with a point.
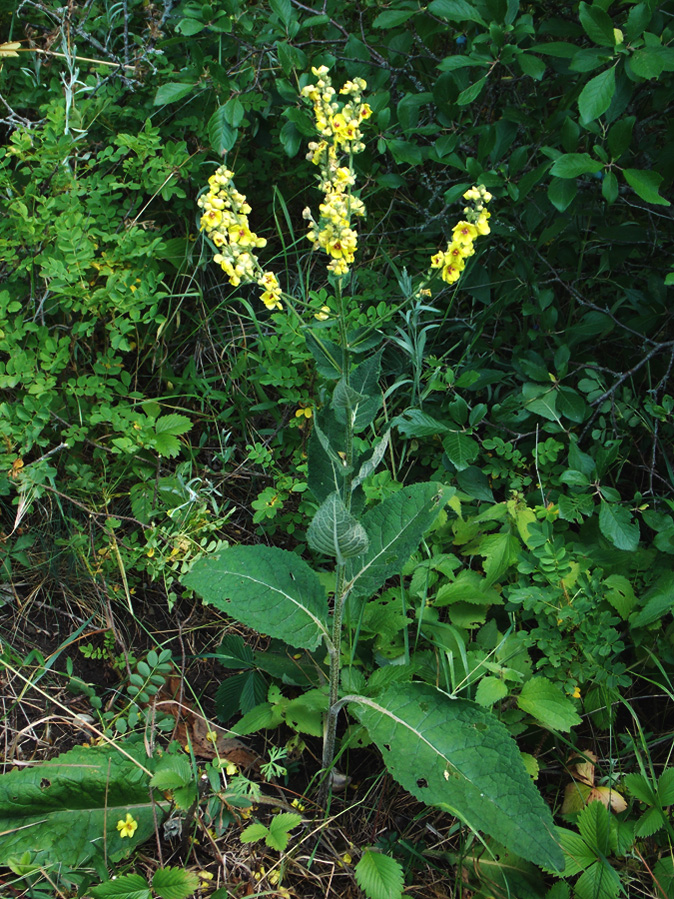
(330, 730)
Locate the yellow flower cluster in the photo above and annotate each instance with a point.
(225, 221)
(338, 125)
(452, 262)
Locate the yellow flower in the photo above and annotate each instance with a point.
(127, 827)
(451, 273)
(464, 233)
(304, 412)
(323, 315)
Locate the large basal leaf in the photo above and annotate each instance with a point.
(269, 589)
(66, 811)
(395, 528)
(452, 753)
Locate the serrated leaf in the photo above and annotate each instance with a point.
(454, 754)
(649, 823)
(571, 165)
(173, 771)
(577, 853)
(599, 881)
(461, 449)
(335, 532)
(166, 445)
(666, 787)
(395, 528)
(415, 423)
(127, 886)
(60, 810)
(279, 830)
(220, 133)
(646, 185)
(544, 700)
(173, 424)
(620, 594)
(266, 588)
(174, 883)
(490, 690)
(379, 876)
(305, 712)
(253, 833)
(500, 551)
(234, 652)
(618, 526)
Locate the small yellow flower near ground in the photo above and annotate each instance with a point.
(231, 770)
(323, 315)
(304, 412)
(127, 827)
(576, 692)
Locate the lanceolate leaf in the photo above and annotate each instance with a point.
(65, 811)
(269, 589)
(455, 754)
(395, 528)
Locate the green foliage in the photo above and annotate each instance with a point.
(277, 835)
(65, 811)
(379, 876)
(167, 883)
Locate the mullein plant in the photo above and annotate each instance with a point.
(448, 751)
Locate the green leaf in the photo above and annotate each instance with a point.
(490, 690)
(326, 353)
(415, 423)
(471, 93)
(452, 753)
(233, 112)
(658, 601)
(609, 187)
(531, 65)
(597, 24)
(253, 833)
(666, 787)
(172, 92)
(500, 551)
(461, 449)
(571, 165)
(562, 192)
(646, 185)
(618, 526)
(279, 830)
(283, 9)
(599, 881)
(172, 771)
(174, 883)
(335, 532)
(173, 424)
(594, 826)
(266, 588)
(540, 400)
(305, 712)
(61, 811)
(620, 594)
(128, 886)
(455, 11)
(220, 133)
(545, 701)
(577, 853)
(395, 528)
(391, 18)
(595, 98)
(379, 876)
(647, 63)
